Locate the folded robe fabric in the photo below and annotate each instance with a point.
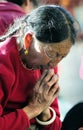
(8, 13)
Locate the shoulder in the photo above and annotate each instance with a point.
(8, 48)
(8, 43)
(8, 13)
(9, 6)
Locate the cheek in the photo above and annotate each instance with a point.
(43, 60)
(38, 58)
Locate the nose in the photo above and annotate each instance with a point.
(52, 64)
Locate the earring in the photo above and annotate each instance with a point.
(26, 52)
(27, 42)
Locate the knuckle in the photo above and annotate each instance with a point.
(55, 77)
(51, 72)
(40, 92)
(48, 84)
(52, 90)
(45, 80)
(57, 85)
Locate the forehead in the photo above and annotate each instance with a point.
(63, 46)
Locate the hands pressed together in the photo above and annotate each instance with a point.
(45, 91)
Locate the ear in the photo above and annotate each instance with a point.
(27, 40)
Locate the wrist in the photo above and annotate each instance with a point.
(49, 121)
(45, 115)
(31, 113)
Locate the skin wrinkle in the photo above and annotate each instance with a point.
(50, 52)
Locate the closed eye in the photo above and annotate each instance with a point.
(57, 55)
(60, 55)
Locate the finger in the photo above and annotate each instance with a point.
(48, 76)
(51, 83)
(41, 78)
(45, 80)
(54, 89)
(44, 75)
(56, 94)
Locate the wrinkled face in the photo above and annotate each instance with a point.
(43, 55)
